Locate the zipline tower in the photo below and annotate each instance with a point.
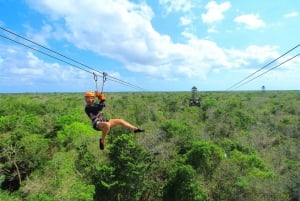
(194, 101)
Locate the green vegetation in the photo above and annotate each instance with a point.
(236, 146)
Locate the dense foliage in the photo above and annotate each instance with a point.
(236, 146)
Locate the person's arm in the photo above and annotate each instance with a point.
(101, 97)
(88, 113)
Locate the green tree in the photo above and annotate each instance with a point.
(7, 196)
(179, 132)
(205, 157)
(129, 165)
(61, 181)
(182, 186)
(72, 135)
(245, 177)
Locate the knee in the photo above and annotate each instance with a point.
(104, 126)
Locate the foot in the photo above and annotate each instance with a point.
(138, 130)
(101, 144)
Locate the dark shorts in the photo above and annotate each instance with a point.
(97, 120)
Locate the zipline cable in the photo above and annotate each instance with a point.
(118, 80)
(262, 67)
(110, 77)
(132, 86)
(43, 53)
(267, 71)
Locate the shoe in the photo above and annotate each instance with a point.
(138, 130)
(101, 144)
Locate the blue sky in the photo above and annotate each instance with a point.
(163, 45)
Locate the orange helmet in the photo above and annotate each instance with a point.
(89, 94)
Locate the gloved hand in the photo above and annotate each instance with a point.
(100, 96)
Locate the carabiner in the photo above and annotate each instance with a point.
(96, 79)
(104, 80)
(104, 76)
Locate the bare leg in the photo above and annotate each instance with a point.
(121, 122)
(105, 128)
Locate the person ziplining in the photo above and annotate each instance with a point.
(99, 121)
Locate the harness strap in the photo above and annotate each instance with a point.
(100, 117)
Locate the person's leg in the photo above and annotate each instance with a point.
(122, 122)
(105, 128)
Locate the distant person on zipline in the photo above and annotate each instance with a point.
(99, 121)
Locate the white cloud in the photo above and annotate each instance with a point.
(40, 37)
(122, 30)
(24, 68)
(178, 5)
(251, 21)
(260, 54)
(215, 12)
(212, 29)
(291, 14)
(194, 59)
(185, 20)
